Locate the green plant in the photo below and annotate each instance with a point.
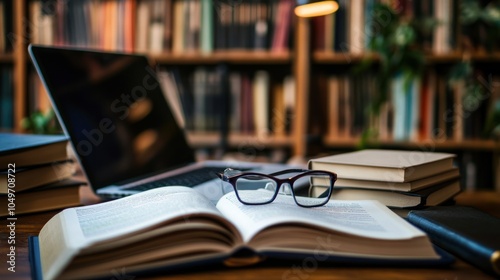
(395, 41)
(40, 123)
(476, 94)
(481, 23)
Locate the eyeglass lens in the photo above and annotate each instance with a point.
(261, 189)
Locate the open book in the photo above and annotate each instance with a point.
(169, 226)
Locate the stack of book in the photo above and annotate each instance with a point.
(36, 174)
(398, 179)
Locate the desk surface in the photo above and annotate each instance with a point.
(487, 201)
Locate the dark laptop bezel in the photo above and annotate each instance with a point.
(35, 51)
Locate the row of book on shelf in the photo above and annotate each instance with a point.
(156, 26)
(6, 97)
(350, 28)
(36, 174)
(199, 98)
(6, 26)
(214, 99)
(37, 98)
(210, 99)
(427, 108)
(206, 25)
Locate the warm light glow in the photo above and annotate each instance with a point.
(320, 8)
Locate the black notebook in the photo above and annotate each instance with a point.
(464, 231)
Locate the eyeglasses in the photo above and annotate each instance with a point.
(255, 188)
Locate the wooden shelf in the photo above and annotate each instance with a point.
(201, 139)
(458, 56)
(487, 145)
(269, 141)
(327, 57)
(212, 139)
(233, 57)
(6, 57)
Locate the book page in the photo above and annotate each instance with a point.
(364, 218)
(114, 218)
(81, 226)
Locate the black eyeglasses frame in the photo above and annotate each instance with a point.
(280, 182)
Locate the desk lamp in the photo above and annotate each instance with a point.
(311, 8)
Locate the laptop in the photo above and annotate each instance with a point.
(121, 126)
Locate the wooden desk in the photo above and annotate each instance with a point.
(486, 201)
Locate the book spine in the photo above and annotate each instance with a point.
(207, 26)
(261, 100)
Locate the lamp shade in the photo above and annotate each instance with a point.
(306, 8)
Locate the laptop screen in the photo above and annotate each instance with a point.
(113, 109)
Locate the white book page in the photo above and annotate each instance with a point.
(364, 218)
(114, 218)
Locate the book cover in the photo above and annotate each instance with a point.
(2, 28)
(31, 149)
(399, 98)
(178, 23)
(261, 84)
(356, 27)
(201, 99)
(464, 231)
(385, 165)
(247, 105)
(282, 25)
(430, 196)
(278, 113)
(258, 28)
(341, 27)
(129, 23)
(172, 95)
(58, 195)
(235, 100)
(34, 176)
(333, 106)
(418, 184)
(207, 27)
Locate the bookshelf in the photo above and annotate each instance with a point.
(265, 50)
(298, 57)
(6, 58)
(238, 57)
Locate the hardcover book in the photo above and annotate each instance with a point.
(58, 195)
(173, 227)
(430, 196)
(27, 178)
(385, 165)
(397, 186)
(30, 149)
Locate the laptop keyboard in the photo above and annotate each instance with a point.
(189, 179)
